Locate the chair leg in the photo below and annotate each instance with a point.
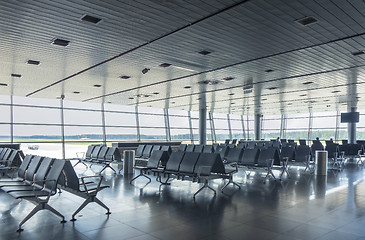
(86, 202)
(205, 186)
(230, 180)
(102, 205)
(31, 214)
(55, 212)
(140, 174)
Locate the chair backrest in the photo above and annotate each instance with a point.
(190, 148)
(174, 161)
(7, 154)
(95, 153)
(14, 159)
(32, 168)
(113, 154)
(24, 166)
(3, 153)
(139, 151)
(251, 145)
(301, 152)
(288, 152)
(269, 153)
(205, 163)
(302, 142)
(182, 148)
(241, 145)
(199, 148)
(331, 148)
(353, 149)
(344, 141)
(222, 150)
(234, 155)
(249, 157)
(166, 149)
(155, 147)
(102, 153)
(215, 146)
(157, 156)
(283, 140)
(147, 151)
(208, 149)
(69, 177)
(234, 141)
(227, 141)
(291, 141)
(231, 145)
(188, 162)
(42, 171)
(317, 145)
(53, 175)
(89, 151)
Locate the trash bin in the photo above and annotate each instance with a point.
(128, 162)
(321, 162)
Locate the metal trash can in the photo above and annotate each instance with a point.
(321, 162)
(128, 162)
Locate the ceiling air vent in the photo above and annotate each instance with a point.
(269, 70)
(272, 88)
(91, 19)
(228, 78)
(307, 83)
(3, 84)
(60, 42)
(97, 85)
(307, 21)
(125, 77)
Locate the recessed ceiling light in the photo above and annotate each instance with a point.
(139, 95)
(272, 88)
(209, 82)
(130, 98)
(204, 52)
(146, 95)
(60, 42)
(199, 98)
(187, 87)
(307, 21)
(3, 84)
(125, 77)
(233, 103)
(328, 105)
(173, 102)
(336, 91)
(33, 62)
(264, 99)
(97, 85)
(269, 70)
(302, 95)
(231, 94)
(109, 102)
(91, 19)
(290, 103)
(156, 93)
(357, 53)
(76, 92)
(326, 100)
(228, 78)
(307, 83)
(16, 75)
(165, 65)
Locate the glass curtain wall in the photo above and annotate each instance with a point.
(271, 127)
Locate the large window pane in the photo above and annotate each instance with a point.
(81, 117)
(153, 133)
(31, 133)
(121, 134)
(180, 134)
(36, 101)
(36, 115)
(5, 133)
(83, 133)
(5, 113)
(120, 119)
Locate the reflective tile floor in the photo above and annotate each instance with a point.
(302, 207)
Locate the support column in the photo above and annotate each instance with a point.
(167, 124)
(191, 128)
(11, 119)
(229, 127)
(63, 127)
(202, 126)
(103, 122)
(258, 125)
(137, 125)
(351, 129)
(243, 128)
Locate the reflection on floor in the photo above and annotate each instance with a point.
(302, 207)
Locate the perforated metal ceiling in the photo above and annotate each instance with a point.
(256, 44)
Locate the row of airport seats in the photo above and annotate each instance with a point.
(144, 151)
(193, 166)
(101, 155)
(38, 179)
(10, 159)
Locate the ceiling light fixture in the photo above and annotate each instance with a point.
(76, 92)
(60, 42)
(357, 53)
(125, 77)
(33, 62)
(228, 78)
(307, 21)
(156, 93)
(336, 91)
(187, 87)
(16, 75)
(204, 52)
(165, 65)
(307, 83)
(269, 70)
(91, 19)
(302, 95)
(272, 88)
(97, 85)
(3, 84)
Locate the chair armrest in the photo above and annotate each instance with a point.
(233, 164)
(85, 184)
(50, 193)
